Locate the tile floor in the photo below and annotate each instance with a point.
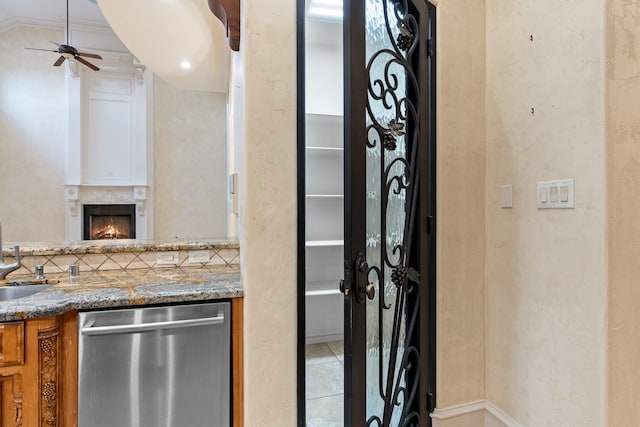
(325, 384)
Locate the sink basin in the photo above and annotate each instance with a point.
(8, 293)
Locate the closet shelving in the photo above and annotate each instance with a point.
(324, 191)
(325, 231)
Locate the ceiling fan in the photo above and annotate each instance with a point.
(67, 51)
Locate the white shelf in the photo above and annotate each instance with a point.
(322, 293)
(332, 150)
(322, 288)
(323, 243)
(325, 196)
(311, 114)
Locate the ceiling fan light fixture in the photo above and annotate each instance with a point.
(67, 51)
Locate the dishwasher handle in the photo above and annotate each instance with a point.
(146, 327)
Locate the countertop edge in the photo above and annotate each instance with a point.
(67, 306)
(120, 246)
(108, 290)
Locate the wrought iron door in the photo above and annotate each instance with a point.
(389, 268)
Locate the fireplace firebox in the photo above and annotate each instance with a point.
(109, 222)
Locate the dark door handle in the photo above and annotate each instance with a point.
(362, 278)
(370, 290)
(346, 291)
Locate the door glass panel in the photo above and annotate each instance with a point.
(388, 184)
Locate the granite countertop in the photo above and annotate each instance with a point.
(119, 288)
(112, 246)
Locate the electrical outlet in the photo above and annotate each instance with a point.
(199, 257)
(168, 258)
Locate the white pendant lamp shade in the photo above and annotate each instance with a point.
(181, 41)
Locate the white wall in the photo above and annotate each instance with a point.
(32, 140)
(268, 211)
(324, 69)
(546, 269)
(190, 162)
(460, 224)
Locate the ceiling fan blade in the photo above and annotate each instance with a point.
(59, 61)
(87, 63)
(89, 55)
(55, 43)
(45, 50)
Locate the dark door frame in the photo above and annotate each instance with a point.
(418, 363)
(427, 334)
(301, 276)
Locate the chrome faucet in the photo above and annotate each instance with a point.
(8, 268)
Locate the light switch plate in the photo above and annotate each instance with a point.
(233, 192)
(557, 194)
(506, 196)
(199, 256)
(168, 258)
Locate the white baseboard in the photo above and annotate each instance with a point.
(501, 415)
(480, 413)
(458, 410)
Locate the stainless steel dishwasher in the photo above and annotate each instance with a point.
(155, 367)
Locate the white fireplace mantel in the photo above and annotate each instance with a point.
(79, 195)
(109, 141)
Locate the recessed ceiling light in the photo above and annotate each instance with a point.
(185, 65)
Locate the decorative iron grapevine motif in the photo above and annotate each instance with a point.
(393, 117)
(405, 38)
(391, 134)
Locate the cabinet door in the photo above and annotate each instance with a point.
(11, 343)
(11, 359)
(10, 398)
(42, 373)
(34, 392)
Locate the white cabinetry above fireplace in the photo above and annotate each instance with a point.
(109, 142)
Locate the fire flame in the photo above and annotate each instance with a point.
(111, 231)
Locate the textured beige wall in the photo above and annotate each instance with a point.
(190, 162)
(623, 185)
(546, 269)
(32, 137)
(268, 211)
(461, 220)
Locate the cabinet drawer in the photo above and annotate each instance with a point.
(11, 343)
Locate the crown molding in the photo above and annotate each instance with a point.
(16, 21)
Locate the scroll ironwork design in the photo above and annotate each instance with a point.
(393, 123)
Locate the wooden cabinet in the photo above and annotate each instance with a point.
(38, 374)
(237, 361)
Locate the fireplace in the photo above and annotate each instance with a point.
(109, 222)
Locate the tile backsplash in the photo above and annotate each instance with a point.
(59, 263)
